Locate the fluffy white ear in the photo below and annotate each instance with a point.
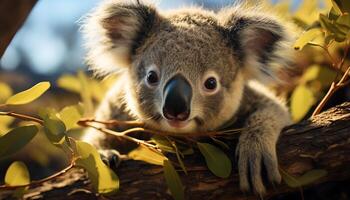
(262, 42)
(113, 31)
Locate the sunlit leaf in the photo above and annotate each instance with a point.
(302, 100)
(147, 155)
(29, 95)
(306, 179)
(85, 93)
(217, 161)
(5, 122)
(70, 83)
(16, 139)
(54, 128)
(173, 181)
(70, 115)
(104, 180)
(17, 174)
(307, 37)
(311, 73)
(307, 11)
(5, 93)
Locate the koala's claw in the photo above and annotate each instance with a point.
(111, 157)
(250, 160)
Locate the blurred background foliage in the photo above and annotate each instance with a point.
(49, 47)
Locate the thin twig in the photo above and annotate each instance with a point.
(122, 135)
(38, 182)
(114, 122)
(334, 87)
(23, 117)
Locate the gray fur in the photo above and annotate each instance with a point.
(235, 45)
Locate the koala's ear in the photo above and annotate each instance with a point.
(113, 31)
(262, 43)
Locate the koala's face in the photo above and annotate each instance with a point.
(183, 78)
(186, 71)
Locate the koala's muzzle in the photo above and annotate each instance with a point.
(177, 99)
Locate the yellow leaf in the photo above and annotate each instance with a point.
(307, 37)
(145, 154)
(103, 179)
(29, 95)
(70, 83)
(17, 174)
(302, 100)
(5, 93)
(70, 115)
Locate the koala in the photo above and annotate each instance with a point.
(192, 70)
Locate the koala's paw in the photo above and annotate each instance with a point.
(252, 155)
(111, 157)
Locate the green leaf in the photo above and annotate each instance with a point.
(54, 128)
(302, 100)
(17, 174)
(5, 93)
(217, 161)
(147, 155)
(70, 115)
(345, 21)
(163, 143)
(332, 29)
(306, 179)
(103, 179)
(306, 37)
(16, 139)
(29, 95)
(173, 181)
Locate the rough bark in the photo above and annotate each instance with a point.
(318, 143)
(12, 15)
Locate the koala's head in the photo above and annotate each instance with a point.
(186, 70)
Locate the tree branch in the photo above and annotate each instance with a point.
(319, 143)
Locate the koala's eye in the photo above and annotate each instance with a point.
(152, 78)
(210, 84)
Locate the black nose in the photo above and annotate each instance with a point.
(177, 96)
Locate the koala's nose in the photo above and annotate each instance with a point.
(177, 99)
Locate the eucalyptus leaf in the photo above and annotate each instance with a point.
(173, 181)
(302, 100)
(147, 155)
(217, 161)
(16, 139)
(5, 93)
(70, 83)
(103, 179)
(29, 95)
(306, 37)
(306, 179)
(54, 128)
(70, 115)
(17, 174)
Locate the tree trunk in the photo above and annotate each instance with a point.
(318, 143)
(12, 15)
